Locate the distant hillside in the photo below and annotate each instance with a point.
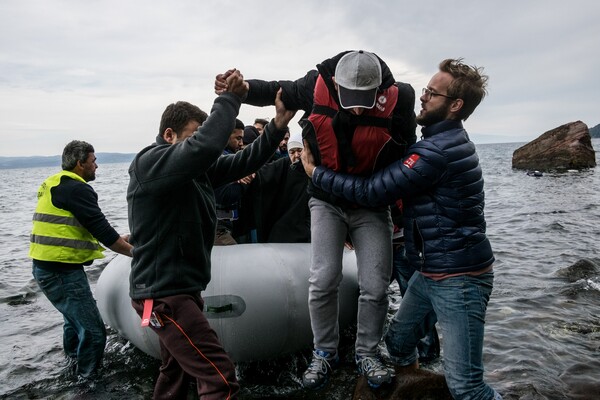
(54, 161)
(595, 131)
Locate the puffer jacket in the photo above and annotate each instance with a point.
(441, 184)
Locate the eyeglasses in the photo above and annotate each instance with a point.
(430, 93)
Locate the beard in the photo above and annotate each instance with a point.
(427, 118)
(89, 176)
(88, 173)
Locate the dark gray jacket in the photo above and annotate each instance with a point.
(171, 203)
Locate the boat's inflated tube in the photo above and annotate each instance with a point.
(257, 300)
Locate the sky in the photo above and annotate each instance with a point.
(103, 71)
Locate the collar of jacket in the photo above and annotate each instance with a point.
(445, 125)
(160, 139)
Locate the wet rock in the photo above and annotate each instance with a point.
(582, 380)
(567, 147)
(409, 384)
(581, 328)
(582, 269)
(524, 391)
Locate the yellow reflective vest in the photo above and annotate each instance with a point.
(57, 235)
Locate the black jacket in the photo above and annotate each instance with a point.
(298, 95)
(277, 202)
(171, 202)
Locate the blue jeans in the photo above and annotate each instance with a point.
(460, 304)
(429, 345)
(84, 334)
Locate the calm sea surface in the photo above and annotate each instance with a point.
(542, 331)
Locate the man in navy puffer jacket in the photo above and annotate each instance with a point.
(441, 184)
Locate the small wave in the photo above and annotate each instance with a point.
(18, 299)
(590, 284)
(556, 226)
(586, 288)
(24, 295)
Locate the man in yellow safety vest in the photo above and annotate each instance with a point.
(67, 228)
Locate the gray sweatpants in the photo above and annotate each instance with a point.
(371, 234)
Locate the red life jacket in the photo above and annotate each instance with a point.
(355, 145)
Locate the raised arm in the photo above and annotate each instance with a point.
(232, 167)
(296, 95)
(161, 168)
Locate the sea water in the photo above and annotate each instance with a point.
(542, 331)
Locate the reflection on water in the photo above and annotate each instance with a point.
(542, 329)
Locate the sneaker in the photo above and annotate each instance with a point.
(317, 373)
(376, 372)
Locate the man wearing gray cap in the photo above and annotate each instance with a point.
(357, 120)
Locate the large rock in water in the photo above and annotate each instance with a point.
(567, 147)
(583, 269)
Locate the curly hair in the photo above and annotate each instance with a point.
(469, 84)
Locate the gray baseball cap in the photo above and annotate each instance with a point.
(358, 75)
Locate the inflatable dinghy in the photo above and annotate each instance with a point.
(257, 300)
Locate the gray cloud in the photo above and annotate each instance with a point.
(103, 71)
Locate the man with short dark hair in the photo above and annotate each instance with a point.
(236, 139)
(172, 217)
(441, 184)
(282, 150)
(67, 226)
(228, 196)
(259, 124)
